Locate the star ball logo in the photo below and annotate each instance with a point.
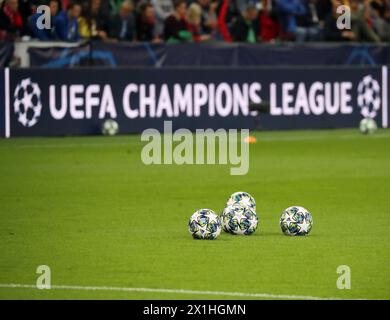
(368, 99)
(27, 102)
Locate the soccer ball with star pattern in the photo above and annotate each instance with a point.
(238, 219)
(110, 127)
(296, 221)
(205, 224)
(244, 199)
(368, 126)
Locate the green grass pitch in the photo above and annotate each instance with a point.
(92, 211)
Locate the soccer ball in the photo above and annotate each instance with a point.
(110, 127)
(368, 126)
(244, 199)
(205, 224)
(296, 221)
(238, 219)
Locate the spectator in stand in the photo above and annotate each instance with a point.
(227, 16)
(360, 31)
(111, 6)
(64, 4)
(66, 23)
(175, 26)
(194, 19)
(359, 17)
(122, 24)
(45, 34)
(380, 15)
(29, 7)
(269, 26)
(323, 7)
(331, 31)
(11, 21)
(363, 32)
(288, 10)
(209, 21)
(162, 8)
(308, 24)
(386, 16)
(94, 21)
(243, 4)
(146, 22)
(246, 28)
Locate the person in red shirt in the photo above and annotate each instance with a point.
(11, 21)
(269, 27)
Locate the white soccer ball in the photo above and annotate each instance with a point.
(110, 127)
(296, 221)
(243, 199)
(238, 219)
(205, 224)
(368, 126)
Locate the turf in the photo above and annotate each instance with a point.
(91, 210)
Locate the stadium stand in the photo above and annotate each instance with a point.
(200, 20)
(125, 26)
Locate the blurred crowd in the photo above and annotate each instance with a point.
(175, 21)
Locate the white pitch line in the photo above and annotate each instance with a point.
(176, 291)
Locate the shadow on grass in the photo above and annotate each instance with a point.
(229, 237)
